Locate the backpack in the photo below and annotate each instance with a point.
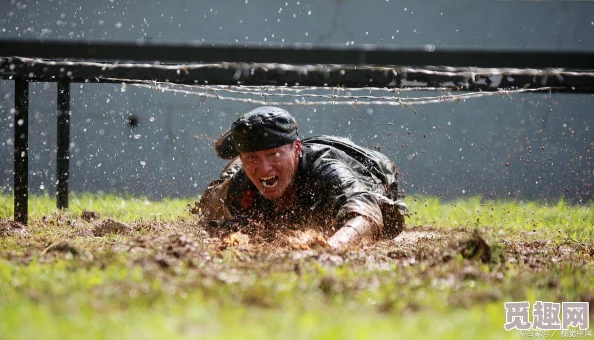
(377, 163)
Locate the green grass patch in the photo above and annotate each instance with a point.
(121, 208)
(575, 221)
(171, 281)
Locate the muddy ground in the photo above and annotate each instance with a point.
(190, 240)
(479, 265)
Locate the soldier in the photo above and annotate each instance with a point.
(276, 178)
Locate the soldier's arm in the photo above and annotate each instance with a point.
(354, 230)
(213, 203)
(358, 215)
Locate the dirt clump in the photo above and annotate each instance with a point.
(60, 247)
(164, 249)
(301, 239)
(110, 226)
(475, 248)
(237, 239)
(180, 245)
(89, 215)
(9, 228)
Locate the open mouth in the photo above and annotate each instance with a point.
(269, 182)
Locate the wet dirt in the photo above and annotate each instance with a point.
(110, 226)
(8, 228)
(89, 215)
(166, 244)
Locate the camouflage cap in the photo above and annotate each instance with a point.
(260, 129)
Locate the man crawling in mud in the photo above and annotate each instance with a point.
(275, 179)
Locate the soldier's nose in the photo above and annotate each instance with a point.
(265, 165)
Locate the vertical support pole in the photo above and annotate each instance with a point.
(21, 150)
(63, 152)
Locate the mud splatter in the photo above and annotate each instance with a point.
(8, 228)
(110, 226)
(89, 215)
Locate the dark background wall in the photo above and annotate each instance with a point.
(451, 149)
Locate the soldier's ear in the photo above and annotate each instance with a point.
(298, 147)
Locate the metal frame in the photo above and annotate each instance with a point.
(359, 66)
(296, 54)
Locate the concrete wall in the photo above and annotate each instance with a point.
(456, 149)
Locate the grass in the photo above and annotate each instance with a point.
(166, 279)
(573, 221)
(124, 209)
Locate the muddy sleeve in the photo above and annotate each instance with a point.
(213, 203)
(349, 192)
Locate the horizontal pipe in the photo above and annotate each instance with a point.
(281, 75)
(296, 54)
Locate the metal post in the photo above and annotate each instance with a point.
(21, 146)
(63, 162)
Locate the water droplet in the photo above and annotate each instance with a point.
(429, 48)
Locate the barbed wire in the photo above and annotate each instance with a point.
(212, 91)
(433, 70)
(490, 81)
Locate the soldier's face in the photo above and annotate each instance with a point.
(272, 170)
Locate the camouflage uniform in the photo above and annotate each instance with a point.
(336, 180)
